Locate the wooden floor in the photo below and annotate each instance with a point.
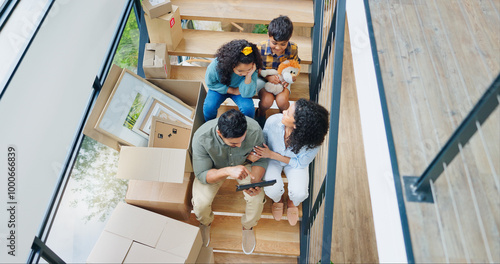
(437, 57)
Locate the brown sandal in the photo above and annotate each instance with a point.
(277, 211)
(292, 213)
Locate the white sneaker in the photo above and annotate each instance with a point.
(248, 241)
(205, 234)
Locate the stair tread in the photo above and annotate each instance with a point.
(230, 201)
(300, 89)
(204, 43)
(272, 237)
(237, 257)
(252, 12)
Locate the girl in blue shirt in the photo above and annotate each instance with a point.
(293, 140)
(232, 74)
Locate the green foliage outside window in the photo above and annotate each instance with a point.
(128, 49)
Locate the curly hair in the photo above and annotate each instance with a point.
(232, 124)
(280, 28)
(229, 56)
(311, 125)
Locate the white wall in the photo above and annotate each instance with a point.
(386, 218)
(42, 106)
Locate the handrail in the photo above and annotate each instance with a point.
(418, 188)
(316, 85)
(327, 190)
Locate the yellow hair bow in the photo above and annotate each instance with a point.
(247, 50)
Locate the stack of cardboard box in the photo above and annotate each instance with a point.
(135, 235)
(163, 22)
(160, 174)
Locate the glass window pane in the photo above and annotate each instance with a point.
(16, 34)
(91, 195)
(93, 191)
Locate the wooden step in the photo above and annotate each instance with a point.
(300, 89)
(228, 200)
(276, 238)
(204, 43)
(237, 257)
(252, 12)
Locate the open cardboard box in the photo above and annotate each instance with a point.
(160, 7)
(165, 29)
(135, 235)
(156, 63)
(191, 93)
(169, 199)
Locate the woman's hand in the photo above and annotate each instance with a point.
(264, 152)
(233, 91)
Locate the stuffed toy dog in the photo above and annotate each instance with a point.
(286, 71)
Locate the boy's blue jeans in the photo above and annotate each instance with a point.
(215, 99)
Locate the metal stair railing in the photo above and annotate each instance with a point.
(418, 188)
(325, 198)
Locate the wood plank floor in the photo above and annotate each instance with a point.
(255, 12)
(437, 58)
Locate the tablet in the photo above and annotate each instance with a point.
(252, 185)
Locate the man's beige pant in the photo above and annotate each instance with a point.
(204, 194)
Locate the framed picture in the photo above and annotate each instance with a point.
(128, 100)
(158, 109)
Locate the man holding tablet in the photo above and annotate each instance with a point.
(220, 148)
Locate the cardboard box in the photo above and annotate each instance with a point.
(156, 8)
(192, 93)
(206, 255)
(156, 62)
(165, 29)
(169, 199)
(154, 164)
(135, 235)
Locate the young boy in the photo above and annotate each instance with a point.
(275, 50)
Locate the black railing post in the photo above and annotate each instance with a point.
(316, 48)
(418, 188)
(331, 171)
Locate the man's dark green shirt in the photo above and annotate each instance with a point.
(210, 152)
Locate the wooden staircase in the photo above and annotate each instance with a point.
(204, 43)
(277, 241)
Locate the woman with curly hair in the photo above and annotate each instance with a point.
(294, 138)
(232, 74)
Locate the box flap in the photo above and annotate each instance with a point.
(135, 223)
(139, 253)
(181, 239)
(153, 164)
(109, 242)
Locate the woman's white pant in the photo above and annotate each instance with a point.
(298, 182)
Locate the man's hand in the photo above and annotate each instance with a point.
(253, 191)
(239, 172)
